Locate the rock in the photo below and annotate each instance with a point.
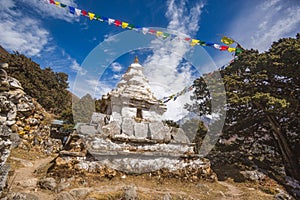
(128, 126)
(130, 192)
(64, 196)
(14, 83)
(99, 119)
(159, 131)
(72, 153)
(254, 175)
(141, 130)
(87, 130)
(80, 193)
(167, 197)
(179, 136)
(4, 170)
(33, 121)
(22, 196)
(15, 139)
(47, 183)
(111, 129)
(29, 182)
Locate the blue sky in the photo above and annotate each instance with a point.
(54, 38)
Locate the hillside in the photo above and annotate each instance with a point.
(49, 88)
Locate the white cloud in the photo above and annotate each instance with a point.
(76, 67)
(21, 33)
(161, 67)
(116, 67)
(259, 26)
(45, 9)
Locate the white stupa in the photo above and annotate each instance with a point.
(132, 98)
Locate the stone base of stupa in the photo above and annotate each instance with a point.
(136, 155)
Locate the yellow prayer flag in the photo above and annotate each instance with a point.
(124, 25)
(57, 3)
(227, 40)
(194, 42)
(159, 33)
(91, 15)
(231, 49)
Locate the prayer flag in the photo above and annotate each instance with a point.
(159, 33)
(187, 39)
(91, 15)
(124, 25)
(231, 49)
(78, 12)
(223, 48)
(57, 3)
(63, 5)
(152, 31)
(130, 26)
(110, 21)
(52, 1)
(84, 13)
(227, 40)
(72, 10)
(97, 17)
(217, 46)
(118, 22)
(145, 30)
(104, 19)
(194, 42)
(165, 35)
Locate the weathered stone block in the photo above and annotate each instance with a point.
(159, 131)
(111, 129)
(141, 130)
(128, 126)
(179, 136)
(87, 130)
(98, 119)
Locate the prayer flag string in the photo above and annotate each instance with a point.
(125, 25)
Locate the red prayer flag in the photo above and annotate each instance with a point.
(152, 31)
(187, 39)
(84, 13)
(223, 48)
(118, 23)
(52, 1)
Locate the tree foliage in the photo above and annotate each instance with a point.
(263, 93)
(49, 88)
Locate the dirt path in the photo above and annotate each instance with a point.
(233, 192)
(24, 179)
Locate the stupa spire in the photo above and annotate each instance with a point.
(136, 59)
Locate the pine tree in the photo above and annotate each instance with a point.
(263, 93)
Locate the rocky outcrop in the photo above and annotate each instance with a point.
(22, 122)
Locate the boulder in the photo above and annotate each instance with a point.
(141, 130)
(48, 183)
(159, 131)
(128, 126)
(179, 136)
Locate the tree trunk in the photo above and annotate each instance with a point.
(291, 165)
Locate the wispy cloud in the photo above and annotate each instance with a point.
(266, 22)
(161, 68)
(116, 67)
(19, 32)
(44, 9)
(24, 32)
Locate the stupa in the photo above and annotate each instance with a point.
(130, 136)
